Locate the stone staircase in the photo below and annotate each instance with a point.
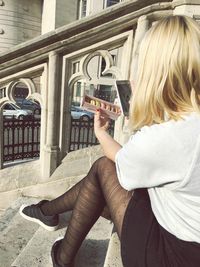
(26, 244)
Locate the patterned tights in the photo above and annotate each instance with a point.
(97, 194)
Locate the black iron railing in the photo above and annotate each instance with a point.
(21, 138)
(82, 134)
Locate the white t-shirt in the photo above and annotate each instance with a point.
(165, 158)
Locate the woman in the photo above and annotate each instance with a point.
(150, 187)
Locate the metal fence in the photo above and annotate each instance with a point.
(21, 139)
(82, 134)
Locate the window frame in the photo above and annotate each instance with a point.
(80, 13)
(106, 3)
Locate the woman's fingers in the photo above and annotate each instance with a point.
(101, 119)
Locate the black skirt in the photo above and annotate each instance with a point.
(144, 243)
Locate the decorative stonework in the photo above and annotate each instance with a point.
(7, 92)
(83, 73)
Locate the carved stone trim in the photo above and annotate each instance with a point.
(9, 90)
(83, 73)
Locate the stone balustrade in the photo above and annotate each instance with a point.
(50, 59)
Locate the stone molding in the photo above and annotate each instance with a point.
(87, 31)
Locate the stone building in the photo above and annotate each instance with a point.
(23, 20)
(54, 47)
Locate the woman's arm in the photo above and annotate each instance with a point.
(109, 145)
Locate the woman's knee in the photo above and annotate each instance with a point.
(103, 164)
(100, 166)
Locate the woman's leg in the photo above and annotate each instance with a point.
(62, 203)
(66, 202)
(99, 188)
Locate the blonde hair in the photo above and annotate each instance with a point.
(168, 81)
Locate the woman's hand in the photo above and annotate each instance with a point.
(101, 121)
(109, 145)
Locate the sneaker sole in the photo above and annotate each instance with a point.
(46, 227)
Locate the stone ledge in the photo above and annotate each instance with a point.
(74, 28)
(113, 256)
(48, 190)
(18, 175)
(79, 34)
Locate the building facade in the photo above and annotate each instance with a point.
(22, 20)
(73, 56)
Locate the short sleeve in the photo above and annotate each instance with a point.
(152, 157)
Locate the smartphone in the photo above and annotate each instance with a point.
(124, 93)
(91, 103)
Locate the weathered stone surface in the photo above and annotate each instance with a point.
(51, 189)
(91, 254)
(47, 190)
(19, 22)
(8, 214)
(84, 152)
(14, 238)
(113, 256)
(24, 179)
(72, 167)
(19, 175)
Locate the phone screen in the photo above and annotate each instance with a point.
(124, 93)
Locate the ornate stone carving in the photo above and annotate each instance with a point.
(7, 92)
(83, 72)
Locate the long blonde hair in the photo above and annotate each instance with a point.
(168, 80)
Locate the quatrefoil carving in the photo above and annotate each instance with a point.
(84, 73)
(9, 91)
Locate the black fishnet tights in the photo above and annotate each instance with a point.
(88, 199)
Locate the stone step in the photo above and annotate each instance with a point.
(14, 238)
(91, 254)
(113, 255)
(10, 212)
(14, 182)
(48, 190)
(77, 162)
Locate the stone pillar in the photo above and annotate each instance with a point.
(61, 12)
(142, 28)
(51, 149)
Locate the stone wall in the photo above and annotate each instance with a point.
(20, 21)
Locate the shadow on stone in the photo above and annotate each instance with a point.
(92, 253)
